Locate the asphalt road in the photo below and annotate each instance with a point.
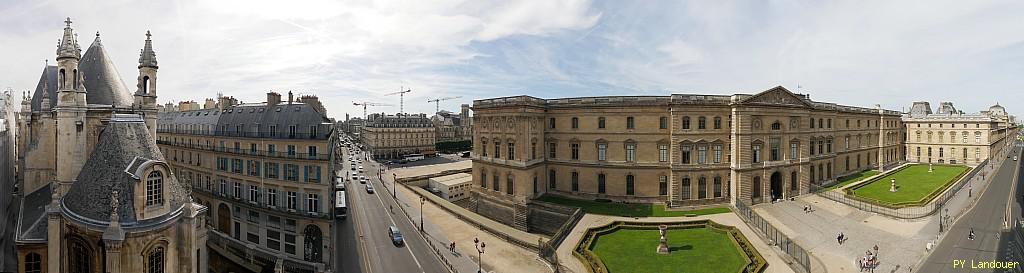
(986, 218)
(362, 239)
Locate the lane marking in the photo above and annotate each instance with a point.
(361, 240)
(392, 219)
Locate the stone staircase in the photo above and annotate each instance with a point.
(519, 220)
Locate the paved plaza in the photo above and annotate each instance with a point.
(901, 243)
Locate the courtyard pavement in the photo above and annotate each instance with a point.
(901, 242)
(775, 263)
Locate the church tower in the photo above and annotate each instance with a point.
(145, 95)
(70, 110)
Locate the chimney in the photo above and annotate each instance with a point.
(290, 97)
(273, 98)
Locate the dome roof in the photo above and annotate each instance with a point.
(111, 167)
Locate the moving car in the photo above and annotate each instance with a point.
(369, 188)
(396, 235)
(1014, 158)
(362, 180)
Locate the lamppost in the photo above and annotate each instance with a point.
(480, 253)
(940, 220)
(394, 184)
(422, 200)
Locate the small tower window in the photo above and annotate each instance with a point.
(156, 261)
(155, 189)
(75, 80)
(145, 85)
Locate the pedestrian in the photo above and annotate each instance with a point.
(971, 234)
(876, 249)
(453, 246)
(839, 238)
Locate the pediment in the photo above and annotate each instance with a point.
(778, 96)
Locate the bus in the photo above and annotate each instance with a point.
(340, 208)
(413, 157)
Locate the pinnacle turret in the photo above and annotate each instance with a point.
(68, 46)
(147, 58)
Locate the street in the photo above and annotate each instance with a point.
(986, 219)
(362, 239)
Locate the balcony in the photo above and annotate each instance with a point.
(256, 153)
(262, 205)
(262, 134)
(251, 252)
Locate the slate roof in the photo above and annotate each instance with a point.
(32, 225)
(120, 142)
(49, 76)
(103, 83)
(225, 122)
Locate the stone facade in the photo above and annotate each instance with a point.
(394, 136)
(953, 137)
(264, 170)
(681, 149)
(97, 195)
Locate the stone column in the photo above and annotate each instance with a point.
(54, 235)
(113, 261)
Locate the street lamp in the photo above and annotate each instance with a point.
(394, 184)
(480, 253)
(422, 200)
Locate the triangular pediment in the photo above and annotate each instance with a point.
(776, 96)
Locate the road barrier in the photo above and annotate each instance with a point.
(772, 236)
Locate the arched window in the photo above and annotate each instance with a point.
(145, 85)
(702, 188)
(75, 80)
(718, 186)
(312, 244)
(155, 260)
(61, 79)
(155, 189)
(80, 260)
(792, 181)
(33, 263)
(686, 123)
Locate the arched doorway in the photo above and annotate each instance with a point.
(224, 219)
(312, 244)
(776, 186)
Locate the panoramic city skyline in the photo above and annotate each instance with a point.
(860, 54)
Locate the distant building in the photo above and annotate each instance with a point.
(394, 136)
(450, 127)
(954, 137)
(265, 170)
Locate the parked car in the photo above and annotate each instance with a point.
(369, 188)
(1014, 158)
(396, 235)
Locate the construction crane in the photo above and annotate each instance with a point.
(401, 98)
(366, 103)
(437, 102)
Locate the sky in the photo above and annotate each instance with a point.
(859, 53)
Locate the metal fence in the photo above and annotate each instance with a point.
(549, 250)
(910, 212)
(772, 236)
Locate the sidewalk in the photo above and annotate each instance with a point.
(442, 228)
(775, 263)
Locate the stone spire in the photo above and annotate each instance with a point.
(147, 58)
(68, 47)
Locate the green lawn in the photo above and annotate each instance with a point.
(913, 183)
(692, 250)
(629, 210)
(850, 179)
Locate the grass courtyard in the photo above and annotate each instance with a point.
(692, 250)
(850, 179)
(914, 184)
(630, 209)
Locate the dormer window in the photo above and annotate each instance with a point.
(155, 189)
